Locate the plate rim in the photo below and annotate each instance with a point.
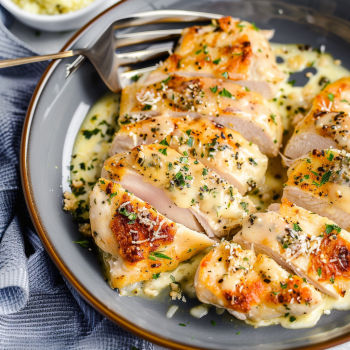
(50, 249)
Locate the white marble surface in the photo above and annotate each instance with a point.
(45, 43)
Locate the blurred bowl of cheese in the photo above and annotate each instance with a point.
(56, 15)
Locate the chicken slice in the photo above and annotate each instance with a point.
(327, 125)
(229, 49)
(219, 101)
(252, 287)
(221, 149)
(319, 182)
(142, 241)
(183, 181)
(311, 245)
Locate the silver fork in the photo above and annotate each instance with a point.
(102, 53)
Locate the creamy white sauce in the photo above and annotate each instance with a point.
(91, 148)
(292, 103)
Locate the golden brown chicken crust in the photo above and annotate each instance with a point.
(337, 252)
(135, 239)
(257, 290)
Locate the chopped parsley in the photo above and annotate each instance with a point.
(292, 82)
(225, 75)
(331, 97)
(283, 286)
(296, 227)
(319, 271)
(330, 157)
(325, 178)
(273, 117)
(135, 77)
(252, 161)
(213, 323)
(182, 325)
(131, 216)
(155, 275)
(146, 108)
(190, 141)
(331, 228)
(217, 61)
(163, 151)
(166, 80)
(213, 89)
(255, 27)
(292, 318)
(332, 279)
(164, 142)
(83, 242)
(89, 133)
(245, 206)
(225, 93)
(205, 172)
(160, 255)
(111, 196)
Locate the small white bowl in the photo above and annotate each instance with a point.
(58, 23)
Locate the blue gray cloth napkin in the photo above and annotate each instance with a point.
(38, 308)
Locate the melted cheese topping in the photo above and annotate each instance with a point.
(252, 287)
(187, 183)
(324, 175)
(224, 151)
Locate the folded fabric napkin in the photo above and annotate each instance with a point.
(38, 308)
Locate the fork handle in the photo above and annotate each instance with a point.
(24, 60)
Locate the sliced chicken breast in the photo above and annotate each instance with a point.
(142, 241)
(327, 125)
(312, 246)
(228, 49)
(319, 182)
(252, 287)
(219, 101)
(221, 149)
(173, 179)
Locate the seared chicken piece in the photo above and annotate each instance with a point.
(221, 149)
(327, 125)
(172, 178)
(320, 182)
(311, 245)
(222, 102)
(252, 287)
(230, 49)
(142, 241)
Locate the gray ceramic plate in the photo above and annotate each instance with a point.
(54, 116)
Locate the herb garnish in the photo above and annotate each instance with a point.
(160, 255)
(331, 228)
(163, 151)
(164, 142)
(225, 93)
(273, 117)
(83, 242)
